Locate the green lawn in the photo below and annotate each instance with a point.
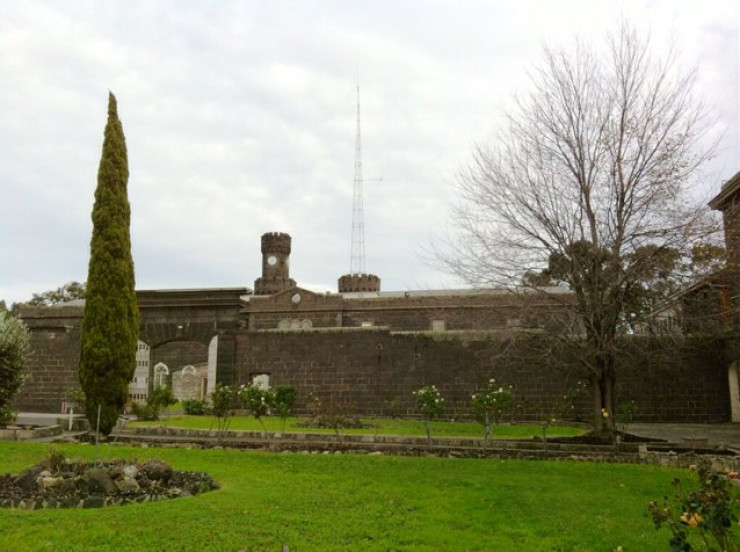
(355, 502)
(381, 426)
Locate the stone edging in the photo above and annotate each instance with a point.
(20, 433)
(659, 454)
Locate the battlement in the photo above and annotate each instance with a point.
(358, 282)
(276, 242)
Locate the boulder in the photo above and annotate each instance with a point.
(157, 470)
(99, 481)
(128, 485)
(27, 478)
(47, 482)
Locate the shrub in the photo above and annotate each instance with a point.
(258, 401)
(195, 407)
(161, 397)
(285, 396)
(13, 348)
(224, 399)
(625, 415)
(490, 405)
(334, 414)
(701, 517)
(430, 405)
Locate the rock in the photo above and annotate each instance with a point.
(93, 501)
(128, 485)
(156, 470)
(48, 482)
(68, 485)
(82, 485)
(27, 478)
(99, 481)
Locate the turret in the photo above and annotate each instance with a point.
(275, 264)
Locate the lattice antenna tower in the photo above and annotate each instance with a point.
(357, 252)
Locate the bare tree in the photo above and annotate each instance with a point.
(594, 164)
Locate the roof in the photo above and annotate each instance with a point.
(447, 292)
(730, 188)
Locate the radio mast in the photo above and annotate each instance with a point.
(358, 280)
(357, 251)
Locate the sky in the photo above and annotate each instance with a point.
(240, 119)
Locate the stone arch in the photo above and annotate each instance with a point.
(188, 370)
(161, 371)
(733, 375)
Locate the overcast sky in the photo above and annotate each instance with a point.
(240, 119)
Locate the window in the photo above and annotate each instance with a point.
(438, 325)
(261, 380)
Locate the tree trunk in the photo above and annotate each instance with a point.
(603, 381)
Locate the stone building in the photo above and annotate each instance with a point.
(364, 349)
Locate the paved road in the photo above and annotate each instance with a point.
(716, 434)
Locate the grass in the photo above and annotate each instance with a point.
(380, 426)
(355, 502)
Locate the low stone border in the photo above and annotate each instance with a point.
(662, 454)
(23, 433)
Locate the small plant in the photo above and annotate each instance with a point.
(430, 405)
(490, 405)
(223, 402)
(701, 519)
(333, 414)
(54, 459)
(624, 415)
(285, 396)
(161, 397)
(393, 408)
(563, 408)
(76, 397)
(258, 401)
(195, 407)
(571, 399)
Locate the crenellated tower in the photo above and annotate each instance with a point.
(275, 264)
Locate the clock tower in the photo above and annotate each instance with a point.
(275, 264)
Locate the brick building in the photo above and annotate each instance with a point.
(367, 349)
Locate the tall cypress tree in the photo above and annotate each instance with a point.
(110, 326)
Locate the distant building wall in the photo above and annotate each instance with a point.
(374, 372)
(51, 366)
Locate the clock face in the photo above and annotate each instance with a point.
(272, 260)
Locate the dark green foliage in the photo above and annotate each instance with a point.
(284, 399)
(68, 292)
(13, 348)
(195, 407)
(111, 320)
(160, 398)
